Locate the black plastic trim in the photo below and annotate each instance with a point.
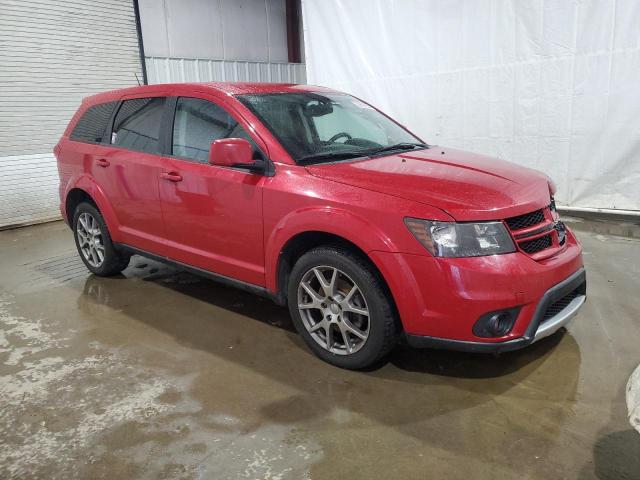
(418, 341)
(231, 282)
(166, 126)
(576, 280)
(106, 139)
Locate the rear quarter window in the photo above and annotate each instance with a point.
(93, 123)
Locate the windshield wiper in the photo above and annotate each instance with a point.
(397, 146)
(321, 157)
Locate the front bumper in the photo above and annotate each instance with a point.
(440, 299)
(541, 325)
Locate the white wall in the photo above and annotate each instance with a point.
(248, 30)
(554, 85)
(52, 54)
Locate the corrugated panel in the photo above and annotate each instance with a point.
(29, 189)
(52, 54)
(170, 70)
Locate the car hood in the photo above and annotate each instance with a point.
(466, 185)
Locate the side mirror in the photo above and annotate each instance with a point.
(232, 152)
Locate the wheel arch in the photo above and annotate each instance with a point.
(303, 242)
(306, 228)
(74, 198)
(86, 189)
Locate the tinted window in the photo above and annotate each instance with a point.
(91, 126)
(137, 124)
(197, 124)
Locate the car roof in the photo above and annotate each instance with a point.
(227, 88)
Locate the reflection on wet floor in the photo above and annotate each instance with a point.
(158, 373)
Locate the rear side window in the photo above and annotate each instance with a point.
(93, 123)
(197, 124)
(137, 124)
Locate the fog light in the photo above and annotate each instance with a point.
(496, 324)
(499, 324)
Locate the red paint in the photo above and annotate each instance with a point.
(466, 185)
(236, 223)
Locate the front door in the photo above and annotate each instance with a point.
(212, 215)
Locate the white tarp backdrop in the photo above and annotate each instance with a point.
(554, 85)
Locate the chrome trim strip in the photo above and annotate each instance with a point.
(560, 320)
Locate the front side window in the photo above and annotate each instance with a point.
(93, 123)
(137, 124)
(197, 124)
(316, 127)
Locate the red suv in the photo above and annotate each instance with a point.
(319, 201)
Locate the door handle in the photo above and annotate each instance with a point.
(103, 162)
(171, 176)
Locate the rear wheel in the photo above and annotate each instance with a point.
(341, 308)
(94, 242)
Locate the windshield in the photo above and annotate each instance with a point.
(325, 127)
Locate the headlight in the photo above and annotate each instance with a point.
(450, 239)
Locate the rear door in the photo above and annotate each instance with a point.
(129, 168)
(212, 214)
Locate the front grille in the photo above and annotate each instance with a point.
(526, 220)
(537, 245)
(556, 307)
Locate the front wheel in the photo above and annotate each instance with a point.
(94, 242)
(341, 309)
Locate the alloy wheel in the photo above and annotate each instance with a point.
(333, 310)
(90, 239)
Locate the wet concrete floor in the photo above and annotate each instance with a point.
(159, 374)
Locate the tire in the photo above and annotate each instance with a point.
(96, 250)
(337, 307)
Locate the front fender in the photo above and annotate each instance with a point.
(325, 219)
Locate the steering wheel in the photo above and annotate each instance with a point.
(340, 135)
